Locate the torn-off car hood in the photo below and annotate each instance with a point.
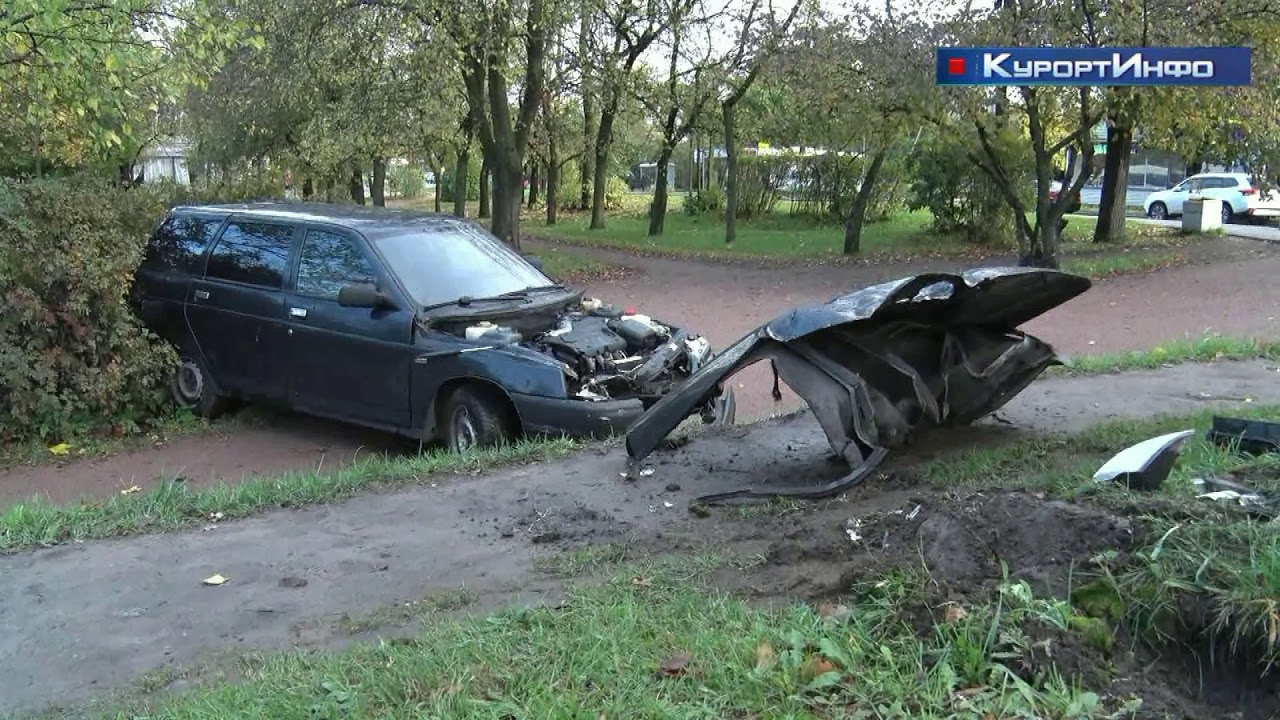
(876, 364)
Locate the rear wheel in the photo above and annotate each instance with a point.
(193, 388)
(476, 417)
(1226, 213)
(1158, 211)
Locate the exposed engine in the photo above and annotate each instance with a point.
(609, 354)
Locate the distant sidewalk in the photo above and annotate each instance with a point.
(1264, 233)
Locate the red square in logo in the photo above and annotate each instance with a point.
(955, 66)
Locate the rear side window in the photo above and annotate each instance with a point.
(252, 253)
(329, 261)
(180, 242)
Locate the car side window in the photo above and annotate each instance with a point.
(253, 253)
(329, 262)
(179, 243)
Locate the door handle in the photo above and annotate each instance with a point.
(297, 312)
(202, 295)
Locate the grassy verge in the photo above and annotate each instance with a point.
(789, 238)
(1208, 348)
(657, 648)
(568, 266)
(1102, 266)
(172, 505)
(653, 642)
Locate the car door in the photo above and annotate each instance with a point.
(235, 312)
(1225, 189)
(347, 362)
(1179, 194)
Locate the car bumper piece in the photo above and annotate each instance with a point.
(541, 415)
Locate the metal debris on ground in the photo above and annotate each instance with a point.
(880, 364)
(1145, 466)
(1255, 437)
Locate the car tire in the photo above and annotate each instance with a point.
(1227, 215)
(193, 387)
(1158, 211)
(475, 417)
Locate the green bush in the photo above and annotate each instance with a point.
(447, 180)
(406, 181)
(962, 199)
(73, 356)
(759, 179)
(705, 201)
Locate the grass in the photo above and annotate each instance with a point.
(660, 648)
(171, 505)
(571, 267)
(651, 641)
(785, 237)
(1208, 348)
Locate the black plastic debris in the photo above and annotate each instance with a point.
(1145, 466)
(878, 365)
(1255, 437)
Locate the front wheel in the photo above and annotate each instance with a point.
(473, 418)
(1158, 211)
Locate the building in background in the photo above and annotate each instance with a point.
(165, 159)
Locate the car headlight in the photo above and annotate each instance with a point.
(699, 351)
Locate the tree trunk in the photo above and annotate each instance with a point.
(586, 161)
(658, 209)
(507, 182)
(858, 209)
(533, 186)
(1042, 250)
(308, 188)
(485, 174)
(600, 181)
(731, 174)
(553, 189)
(357, 184)
(1195, 168)
(435, 174)
(460, 169)
(1115, 183)
(378, 187)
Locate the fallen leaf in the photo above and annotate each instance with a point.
(764, 654)
(215, 516)
(815, 667)
(60, 448)
(833, 611)
(214, 580)
(639, 581)
(676, 665)
(954, 614)
(130, 490)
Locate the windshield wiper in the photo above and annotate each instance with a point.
(467, 300)
(537, 288)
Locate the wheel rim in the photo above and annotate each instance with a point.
(189, 384)
(464, 430)
(1226, 214)
(1157, 211)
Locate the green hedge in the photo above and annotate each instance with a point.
(72, 354)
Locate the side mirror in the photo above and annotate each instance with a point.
(535, 261)
(364, 295)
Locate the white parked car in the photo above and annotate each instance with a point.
(1240, 197)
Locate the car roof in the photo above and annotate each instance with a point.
(369, 221)
(1232, 175)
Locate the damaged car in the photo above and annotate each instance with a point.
(882, 364)
(419, 324)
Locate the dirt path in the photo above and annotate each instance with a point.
(1230, 289)
(79, 621)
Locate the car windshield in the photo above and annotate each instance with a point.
(442, 264)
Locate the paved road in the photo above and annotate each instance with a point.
(1265, 233)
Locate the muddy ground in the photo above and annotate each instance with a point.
(1228, 288)
(80, 621)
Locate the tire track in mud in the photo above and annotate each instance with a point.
(82, 620)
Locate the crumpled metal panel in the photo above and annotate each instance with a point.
(879, 364)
